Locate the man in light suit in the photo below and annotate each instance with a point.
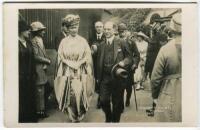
(112, 52)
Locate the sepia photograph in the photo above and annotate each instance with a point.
(99, 65)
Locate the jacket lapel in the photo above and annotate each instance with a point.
(102, 53)
(116, 44)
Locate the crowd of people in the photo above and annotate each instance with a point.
(108, 64)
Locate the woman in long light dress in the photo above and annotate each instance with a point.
(76, 69)
(139, 75)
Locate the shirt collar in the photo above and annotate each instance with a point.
(99, 34)
(64, 34)
(23, 42)
(110, 39)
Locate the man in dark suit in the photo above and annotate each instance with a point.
(152, 32)
(124, 34)
(64, 33)
(98, 36)
(111, 52)
(96, 39)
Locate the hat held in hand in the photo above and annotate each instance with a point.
(119, 72)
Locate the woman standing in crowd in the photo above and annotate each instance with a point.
(139, 75)
(42, 61)
(166, 77)
(74, 84)
(27, 108)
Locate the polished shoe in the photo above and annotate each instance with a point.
(42, 114)
(142, 87)
(138, 87)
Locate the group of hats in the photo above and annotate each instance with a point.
(69, 20)
(175, 23)
(35, 26)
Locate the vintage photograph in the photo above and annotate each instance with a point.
(100, 65)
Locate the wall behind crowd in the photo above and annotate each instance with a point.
(52, 19)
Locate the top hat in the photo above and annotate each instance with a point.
(119, 72)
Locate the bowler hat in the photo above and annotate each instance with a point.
(119, 72)
(122, 27)
(154, 17)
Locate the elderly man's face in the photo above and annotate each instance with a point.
(108, 30)
(73, 30)
(99, 28)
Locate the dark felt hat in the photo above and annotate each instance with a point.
(122, 27)
(23, 26)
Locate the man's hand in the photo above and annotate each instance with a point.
(94, 49)
(121, 64)
(133, 67)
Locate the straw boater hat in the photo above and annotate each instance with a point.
(175, 23)
(36, 26)
(141, 34)
(71, 20)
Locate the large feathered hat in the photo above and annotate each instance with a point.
(71, 20)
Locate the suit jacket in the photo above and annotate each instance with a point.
(135, 53)
(58, 39)
(121, 53)
(93, 39)
(41, 60)
(27, 90)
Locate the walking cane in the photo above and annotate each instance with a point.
(135, 98)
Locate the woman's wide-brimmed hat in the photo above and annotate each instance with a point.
(71, 20)
(141, 34)
(23, 26)
(175, 23)
(36, 26)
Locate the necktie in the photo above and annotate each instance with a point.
(108, 42)
(98, 37)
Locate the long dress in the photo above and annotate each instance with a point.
(139, 72)
(76, 69)
(166, 82)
